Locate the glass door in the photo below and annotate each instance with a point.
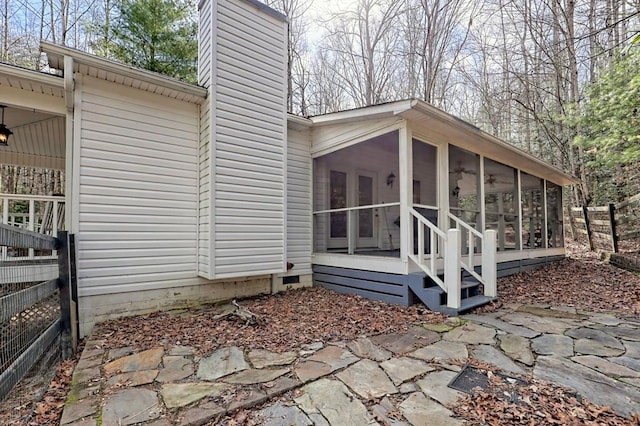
(367, 235)
(338, 200)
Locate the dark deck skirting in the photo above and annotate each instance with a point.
(396, 288)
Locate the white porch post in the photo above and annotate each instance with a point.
(452, 273)
(405, 173)
(489, 265)
(443, 189)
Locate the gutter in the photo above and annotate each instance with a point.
(123, 69)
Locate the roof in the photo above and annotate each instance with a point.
(123, 74)
(263, 7)
(451, 129)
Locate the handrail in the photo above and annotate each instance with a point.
(464, 224)
(27, 197)
(349, 209)
(45, 215)
(435, 236)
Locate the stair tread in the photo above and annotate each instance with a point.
(472, 302)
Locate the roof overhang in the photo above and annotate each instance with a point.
(123, 74)
(445, 127)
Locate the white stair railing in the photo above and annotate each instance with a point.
(448, 247)
(487, 242)
(437, 243)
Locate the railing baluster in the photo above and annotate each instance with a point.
(420, 230)
(5, 219)
(32, 218)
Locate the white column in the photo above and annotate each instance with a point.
(405, 173)
(489, 265)
(452, 272)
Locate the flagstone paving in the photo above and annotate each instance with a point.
(395, 379)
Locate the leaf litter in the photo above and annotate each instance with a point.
(289, 320)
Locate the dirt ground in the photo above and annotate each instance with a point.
(291, 319)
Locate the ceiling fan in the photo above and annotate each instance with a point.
(461, 169)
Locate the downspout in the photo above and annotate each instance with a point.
(69, 87)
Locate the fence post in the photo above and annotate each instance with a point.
(64, 280)
(585, 212)
(614, 231)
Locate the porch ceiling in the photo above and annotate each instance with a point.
(38, 139)
(34, 113)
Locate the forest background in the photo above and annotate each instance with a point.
(557, 78)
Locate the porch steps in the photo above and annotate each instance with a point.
(400, 289)
(435, 298)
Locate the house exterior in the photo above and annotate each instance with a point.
(184, 194)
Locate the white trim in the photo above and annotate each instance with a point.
(405, 164)
(31, 75)
(56, 53)
(76, 146)
(26, 99)
(369, 134)
(366, 263)
(213, 128)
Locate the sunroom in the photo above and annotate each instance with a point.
(411, 203)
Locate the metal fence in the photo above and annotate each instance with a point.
(36, 299)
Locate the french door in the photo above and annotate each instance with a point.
(352, 189)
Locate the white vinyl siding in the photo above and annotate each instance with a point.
(299, 231)
(138, 189)
(249, 133)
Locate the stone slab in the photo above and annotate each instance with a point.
(493, 356)
(175, 368)
(592, 347)
(78, 410)
(398, 343)
(145, 360)
(540, 324)
(384, 411)
(335, 402)
(177, 395)
(281, 385)
(255, 376)
(436, 386)
(632, 363)
(541, 311)
(365, 348)
(442, 351)
(221, 363)
(402, 369)
(623, 331)
(553, 344)
(335, 357)
(518, 330)
(632, 349)
(367, 379)
(471, 333)
(261, 358)
(119, 352)
(603, 366)
(133, 378)
(198, 416)
(131, 406)
(280, 414)
(598, 388)
(517, 347)
(420, 410)
(598, 336)
(311, 370)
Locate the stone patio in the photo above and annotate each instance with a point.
(407, 374)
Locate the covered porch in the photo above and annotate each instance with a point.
(407, 190)
(35, 153)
